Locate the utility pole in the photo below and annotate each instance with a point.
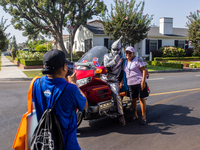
(70, 29)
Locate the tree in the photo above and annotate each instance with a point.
(14, 47)
(193, 25)
(4, 37)
(127, 20)
(51, 16)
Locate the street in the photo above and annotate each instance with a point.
(173, 117)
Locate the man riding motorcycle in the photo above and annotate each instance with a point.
(113, 62)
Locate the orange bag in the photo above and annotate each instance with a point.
(20, 142)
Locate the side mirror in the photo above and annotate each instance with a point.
(101, 70)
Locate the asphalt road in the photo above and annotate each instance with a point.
(173, 116)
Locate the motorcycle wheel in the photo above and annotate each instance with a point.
(79, 115)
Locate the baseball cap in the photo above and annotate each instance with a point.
(54, 59)
(131, 49)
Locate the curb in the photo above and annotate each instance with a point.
(175, 71)
(16, 79)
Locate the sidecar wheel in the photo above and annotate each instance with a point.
(79, 115)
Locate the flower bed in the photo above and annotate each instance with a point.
(187, 63)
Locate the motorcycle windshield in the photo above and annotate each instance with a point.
(94, 56)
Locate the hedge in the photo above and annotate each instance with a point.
(35, 62)
(30, 62)
(158, 63)
(176, 58)
(197, 64)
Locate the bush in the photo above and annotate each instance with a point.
(27, 55)
(41, 48)
(196, 53)
(188, 52)
(176, 58)
(186, 65)
(173, 65)
(80, 54)
(30, 62)
(0, 52)
(192, 66)
(156, 53)
(171, 51)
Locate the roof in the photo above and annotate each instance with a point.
(96, 27)
(177, 32)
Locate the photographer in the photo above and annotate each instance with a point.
(52, 85)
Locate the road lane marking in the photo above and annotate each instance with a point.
(175, 92)
(173, 98)
(156, 79)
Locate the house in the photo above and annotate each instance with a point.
(93, 34)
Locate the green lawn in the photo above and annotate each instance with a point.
(155, 68)
(33, 73)
(10, 58)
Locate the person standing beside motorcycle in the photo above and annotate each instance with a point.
(49, 87)
(113, 62)
(135, 71)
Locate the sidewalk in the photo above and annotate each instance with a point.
(10, 72)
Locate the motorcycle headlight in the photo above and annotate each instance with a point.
(83, 81)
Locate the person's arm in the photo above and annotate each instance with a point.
(111, 63)
(122, 81)
(72, 79)
(143, 69)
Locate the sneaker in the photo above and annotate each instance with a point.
(122, 121)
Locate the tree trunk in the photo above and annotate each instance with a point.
(61, 45)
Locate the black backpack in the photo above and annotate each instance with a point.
(48, 134)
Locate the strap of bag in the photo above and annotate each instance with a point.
(57, 98)
(30, 95)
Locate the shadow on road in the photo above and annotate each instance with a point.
(161, 118)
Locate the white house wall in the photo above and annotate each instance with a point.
(80, 36)
(98, 40)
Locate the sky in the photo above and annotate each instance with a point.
(176, 9)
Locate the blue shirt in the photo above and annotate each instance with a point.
(66, 105)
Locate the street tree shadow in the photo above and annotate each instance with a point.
(160, 119)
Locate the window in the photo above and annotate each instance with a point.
(181, 44)
(108, 43)
(153, 45)
(88, 44)
(178, 43)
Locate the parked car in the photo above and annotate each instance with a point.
(7, 54)
(25, 49)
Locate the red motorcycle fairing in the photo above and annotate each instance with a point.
(80, 74)
(97, 91)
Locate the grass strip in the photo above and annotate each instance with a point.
(33, 73)
(10, 58)
(156, 68)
